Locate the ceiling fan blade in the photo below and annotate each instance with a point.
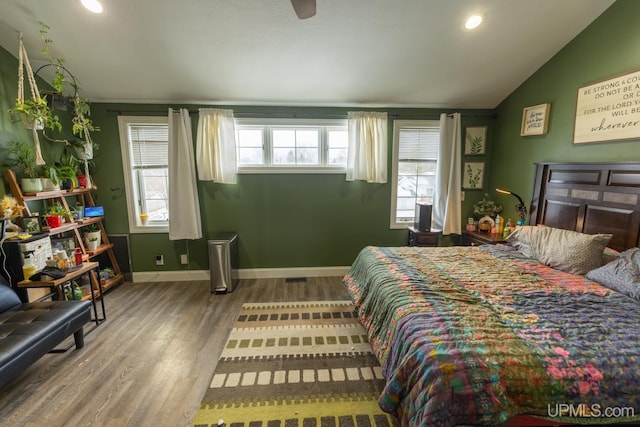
(304, 8)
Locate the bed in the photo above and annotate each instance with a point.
(516, 334)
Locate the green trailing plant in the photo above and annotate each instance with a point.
(58, 81)
(34, 112)
(23, 157)
(81, 123)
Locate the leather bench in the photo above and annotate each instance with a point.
(30, 330)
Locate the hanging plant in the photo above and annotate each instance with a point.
(34, 112)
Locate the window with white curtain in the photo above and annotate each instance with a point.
(415, 154)
(291, 145)
(144, 145)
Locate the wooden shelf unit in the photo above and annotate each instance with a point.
(86, 199)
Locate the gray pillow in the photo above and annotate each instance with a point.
(564, 250)
(622, 275)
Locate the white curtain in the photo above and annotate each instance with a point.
(184, 205)
(367, 152)
(446, 202)
(216, 146)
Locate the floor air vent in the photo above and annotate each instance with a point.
(295, 280)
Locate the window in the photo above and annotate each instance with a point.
(291, 145)
(415, 155)
(144, 144)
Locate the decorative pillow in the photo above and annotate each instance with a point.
(564, 250)
(622, 275)
(609, 255)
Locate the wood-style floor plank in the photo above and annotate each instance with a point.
(150, 362)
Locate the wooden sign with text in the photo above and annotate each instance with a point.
(608, 110)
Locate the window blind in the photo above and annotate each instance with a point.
(418, 144)
(149, 146)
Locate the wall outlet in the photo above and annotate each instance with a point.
(159, 259)
(184, 259)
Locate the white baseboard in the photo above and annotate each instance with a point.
(248, 273)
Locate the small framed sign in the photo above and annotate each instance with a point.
(535, 120)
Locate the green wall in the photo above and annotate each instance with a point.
(608, 47)
(282, 220)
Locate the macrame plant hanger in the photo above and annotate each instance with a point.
(23, 63)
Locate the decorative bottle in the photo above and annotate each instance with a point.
(507, 229)
(499, 224)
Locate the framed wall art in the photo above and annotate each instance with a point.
(607, 110)
(31, 224)
(535, 120)
(475, 140)
(473, 175)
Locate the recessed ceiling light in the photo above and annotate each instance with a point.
(92, 5)
(473, 21)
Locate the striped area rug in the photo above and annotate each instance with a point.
(295, 364)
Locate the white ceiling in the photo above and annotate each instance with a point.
(412, 53)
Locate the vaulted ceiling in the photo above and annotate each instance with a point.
(412, 53)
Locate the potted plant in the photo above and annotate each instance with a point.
(68, 168)
(92, 233)
(22, 156)
(50, 178)
(55, 215)
(92, 243)
(485, 211)
(35, 114)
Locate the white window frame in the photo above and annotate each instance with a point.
(131, 190)
(266, 124)
(397, 126)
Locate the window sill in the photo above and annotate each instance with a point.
(149, 229)
(291, 170)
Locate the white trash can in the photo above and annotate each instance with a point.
(223, 262)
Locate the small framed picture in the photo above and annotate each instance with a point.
(535, 120)
(473, 175)
(475, 140)
(31, 224)
(67, 244)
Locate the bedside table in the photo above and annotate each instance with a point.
(422, 238)
(474, 238)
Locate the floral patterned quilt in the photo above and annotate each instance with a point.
(478, 335)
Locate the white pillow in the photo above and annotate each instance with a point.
(564, 250)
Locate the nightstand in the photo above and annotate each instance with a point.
(422, 238)
(475, 238)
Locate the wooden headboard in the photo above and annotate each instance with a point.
(589, 198)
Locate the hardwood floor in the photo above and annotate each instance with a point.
(150, 362)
